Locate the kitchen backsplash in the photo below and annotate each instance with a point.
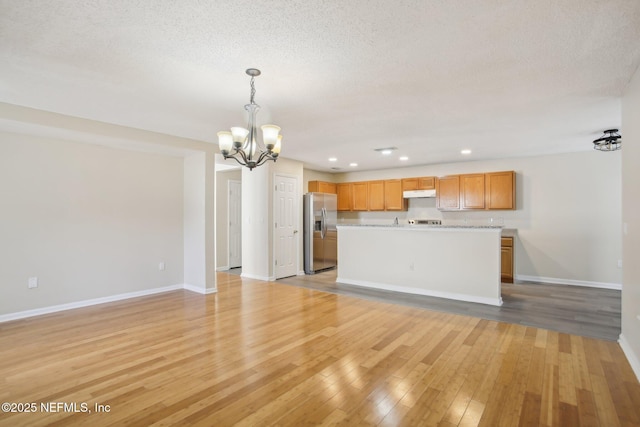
(424, 209)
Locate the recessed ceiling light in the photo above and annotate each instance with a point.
(404, 158)
(353, 165)
(465, 151)
(333, 159)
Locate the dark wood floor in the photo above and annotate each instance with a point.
(577, 310)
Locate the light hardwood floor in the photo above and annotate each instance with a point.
(263, 353)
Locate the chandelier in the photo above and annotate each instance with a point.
(242, 144)
(610, 141)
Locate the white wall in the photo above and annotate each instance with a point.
(257, 192)
(568, 213)
(630, 338)
(87, 220)
(199, 246)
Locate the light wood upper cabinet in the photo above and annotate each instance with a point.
(426, 183)
(393, 200)
(360, 194)
(376, 196)
(500, 190)
(422, 183)
(322, 187)
(409, 184)
(448, 192)
(344, 196)
(476, 191)
(472, 191)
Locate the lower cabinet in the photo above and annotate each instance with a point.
(506, 269)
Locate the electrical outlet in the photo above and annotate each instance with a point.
(33, 282)
(619, 263)
(161, 266)
(411, 266)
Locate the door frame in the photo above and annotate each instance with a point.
(298, 216)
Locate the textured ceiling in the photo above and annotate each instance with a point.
(503, 78)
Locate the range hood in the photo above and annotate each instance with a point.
(413, 194)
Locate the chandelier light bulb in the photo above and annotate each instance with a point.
(239, 136)
(270, 135)
(225, 140)
(276, 148)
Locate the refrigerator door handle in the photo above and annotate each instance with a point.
(323, 229)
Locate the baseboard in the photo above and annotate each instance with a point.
(85, 303)
(417, 291)
(199, 290)
(633, 359)
(223, 268)
(557, 281)
(256, 277)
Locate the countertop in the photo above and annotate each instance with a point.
(426, 227)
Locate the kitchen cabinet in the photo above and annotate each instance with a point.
(393, 200)
(422, 183)
(476, 191)
(448, 192)
(322, 187)
(500, 190)
(360, 196)
(343, 190)
(376, 195)
(506, 259)
(409, 184)
(427, 183)
(472, 191)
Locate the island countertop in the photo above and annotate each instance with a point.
(424, 226)
(455, 262)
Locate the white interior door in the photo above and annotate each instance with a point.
(286, 235)
(235, 224)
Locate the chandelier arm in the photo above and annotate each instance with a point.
(236, 159)
(242, 154)
(267, 156)
(264, 156)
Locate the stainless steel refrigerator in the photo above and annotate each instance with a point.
(320, 233)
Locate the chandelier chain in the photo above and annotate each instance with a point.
(253, 89)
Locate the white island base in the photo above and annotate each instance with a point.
(460, 263)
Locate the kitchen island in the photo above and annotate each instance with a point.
(455, 262)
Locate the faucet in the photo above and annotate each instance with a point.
(395, 221)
